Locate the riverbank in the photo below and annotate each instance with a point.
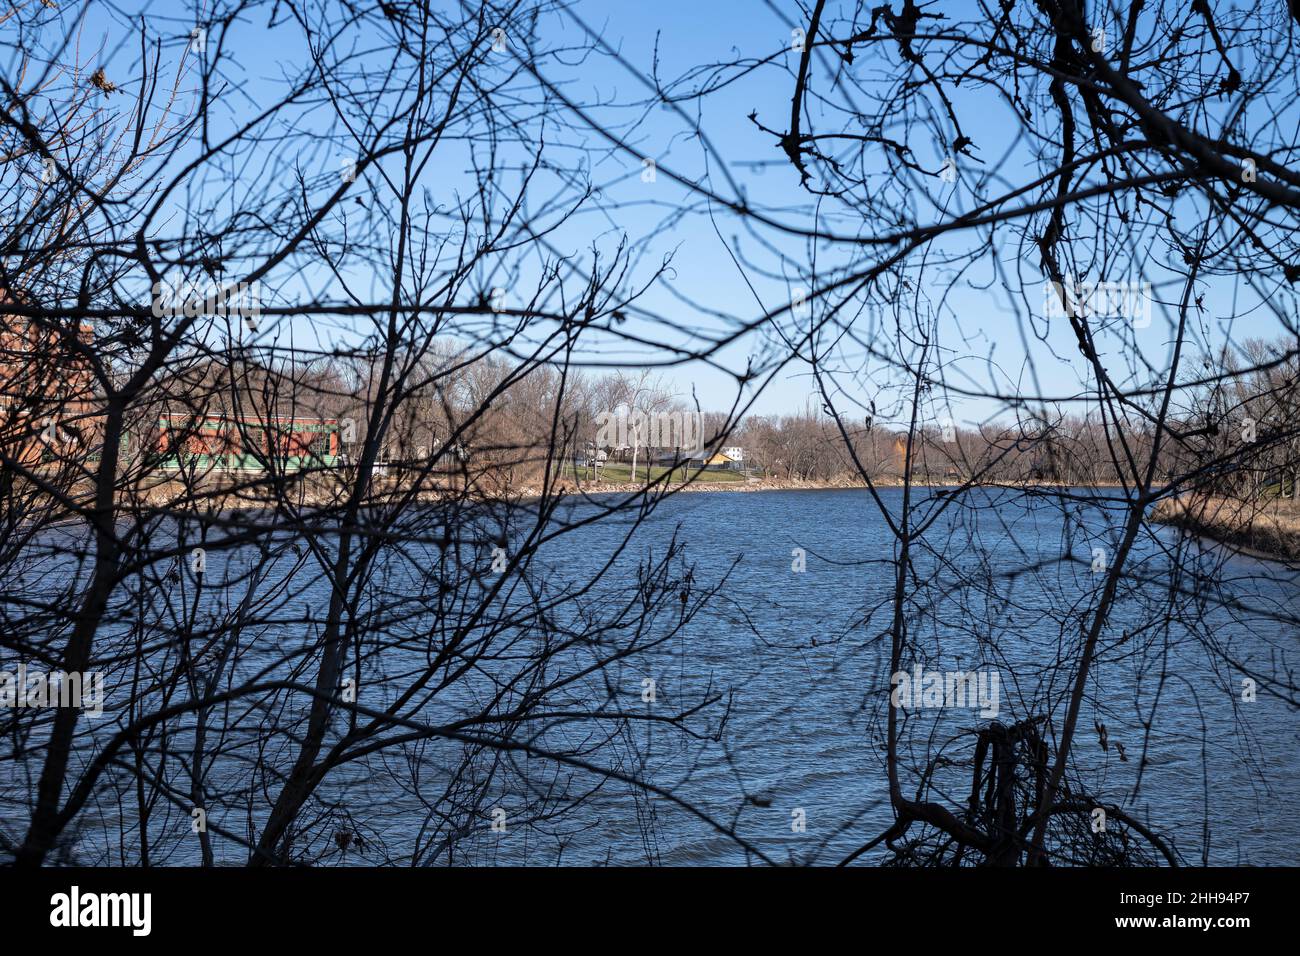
(702, 483)
(1267, 528)
(781, 484)
(221, 491)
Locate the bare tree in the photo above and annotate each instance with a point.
(305, 372)
(281, 357)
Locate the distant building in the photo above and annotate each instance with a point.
(239, 444)
(619, 452)
(47, 407)
(732, 458)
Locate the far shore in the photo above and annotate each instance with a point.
(322, 489)
(785, 484)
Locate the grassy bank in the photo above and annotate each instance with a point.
(222, 491)
(1269, 526)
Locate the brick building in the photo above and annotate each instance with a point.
(47, 407)
(247, 444)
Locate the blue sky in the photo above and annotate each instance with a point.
(706, 290)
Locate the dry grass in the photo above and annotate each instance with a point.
(1268, 526)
